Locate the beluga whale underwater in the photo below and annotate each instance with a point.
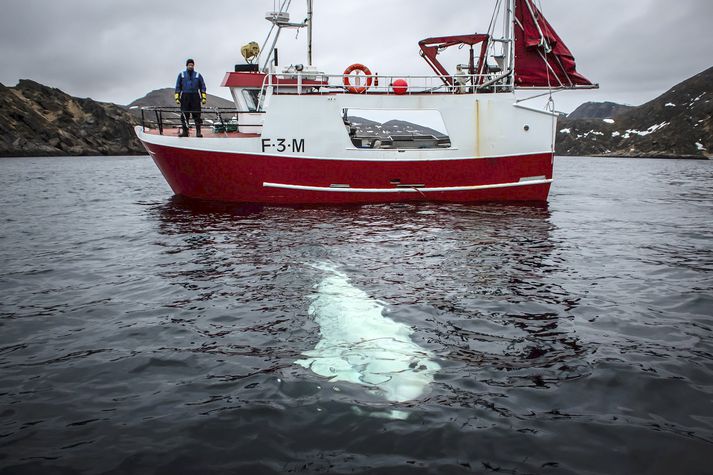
(360, 345)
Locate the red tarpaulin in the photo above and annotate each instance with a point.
(541, 57)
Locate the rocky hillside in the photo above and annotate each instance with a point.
(677, 124)
(164, 98)
(598, 110)
(37, 120)
(369, 128)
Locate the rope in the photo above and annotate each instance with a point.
(494, 18)
(548, 49)
(550, 106)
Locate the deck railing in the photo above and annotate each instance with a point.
(229, 120)
(219, 119)
(311, 83)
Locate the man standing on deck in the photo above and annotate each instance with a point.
(190, 94)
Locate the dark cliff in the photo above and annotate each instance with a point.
(598, 110)
(37, 120)
(677, 124)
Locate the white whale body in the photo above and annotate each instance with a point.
(360, 345)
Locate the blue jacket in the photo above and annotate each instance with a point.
(190, 82)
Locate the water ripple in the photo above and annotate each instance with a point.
(144, 333)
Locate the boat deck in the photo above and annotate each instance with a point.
(208, 133)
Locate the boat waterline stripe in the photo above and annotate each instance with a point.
(405, 190)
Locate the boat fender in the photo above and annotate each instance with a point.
(347, 79)
(400, 87)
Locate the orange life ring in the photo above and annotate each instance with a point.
(351, 87)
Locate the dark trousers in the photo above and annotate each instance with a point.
(190, 106)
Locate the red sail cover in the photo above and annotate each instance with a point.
(541, 57)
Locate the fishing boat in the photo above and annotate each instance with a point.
(301, 136)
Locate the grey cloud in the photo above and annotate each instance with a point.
(118, 51)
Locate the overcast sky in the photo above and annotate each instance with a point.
(117, 51)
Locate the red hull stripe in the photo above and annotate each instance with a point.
(271, 179)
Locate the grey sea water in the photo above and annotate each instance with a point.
(141, 333)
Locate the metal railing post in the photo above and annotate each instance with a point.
(159, 120)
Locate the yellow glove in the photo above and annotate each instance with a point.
(205, 98)
(177, 96)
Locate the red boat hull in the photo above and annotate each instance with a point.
(269, 179)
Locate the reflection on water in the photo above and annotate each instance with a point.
(472, 281)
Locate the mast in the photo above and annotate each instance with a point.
(281, 19)
(509, 33)
(276, 18)
(310, 15)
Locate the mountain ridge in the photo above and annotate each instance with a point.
(37, 120)
(366, 127)
(164, 98)
(598, 110)
(677, 124)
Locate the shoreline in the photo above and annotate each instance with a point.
(132, 154)
(642, 157)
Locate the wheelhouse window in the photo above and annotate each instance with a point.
(396, 129)
(251, 97)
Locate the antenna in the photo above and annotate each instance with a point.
(281, 20)
(509, 30)
(310, 16)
